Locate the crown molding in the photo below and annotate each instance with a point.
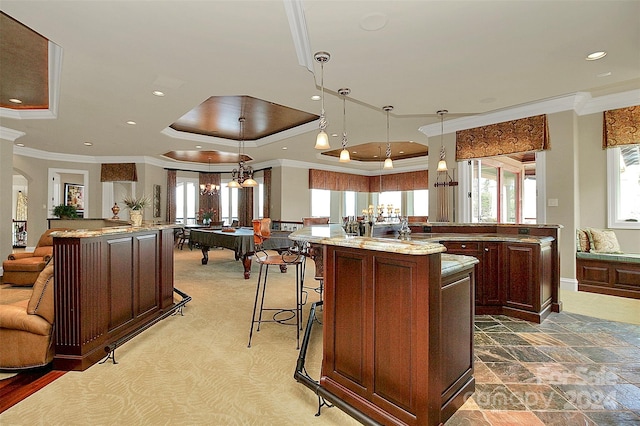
(10, 134)
(299, 130)
(581, 103)
(299, 33)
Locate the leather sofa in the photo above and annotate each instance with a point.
(26, 327)
(23, 268)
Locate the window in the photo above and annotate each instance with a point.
(350, 203)
(320, 202)
(495, 194)
(228, 203)
(623, 166)
(186, 196)
(421, 202)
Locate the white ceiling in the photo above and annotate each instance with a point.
(469, 57)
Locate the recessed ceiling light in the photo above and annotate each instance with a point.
(20, 144)
(401, 152)
(334, 135)
(596, 55)
(88, 144)
(375, 156)
(158, 93)
(316, 97)
(15, 101)
(131, 123)
(604, 74)
(284, 147)
(354, 152)
(198, 146)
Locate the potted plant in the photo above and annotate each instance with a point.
(64, 211)
(136, 206)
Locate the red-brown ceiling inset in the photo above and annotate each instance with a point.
(24, 55)
(218, 116)
(377, 151)
(213, 157)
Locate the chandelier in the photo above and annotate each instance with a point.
(209, 188)
(242, 177)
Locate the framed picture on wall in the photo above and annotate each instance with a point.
(74, 196)
(156, 200)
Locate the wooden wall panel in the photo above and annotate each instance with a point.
(350, 317)
(394, 336)
(147, 274)
(120, 281)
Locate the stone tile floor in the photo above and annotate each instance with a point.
(569, 370)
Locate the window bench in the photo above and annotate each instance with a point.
(613, 274)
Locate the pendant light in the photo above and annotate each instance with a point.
(242, 177)
(442, 164)
(388, 162)
(344, 154)
(322, 140)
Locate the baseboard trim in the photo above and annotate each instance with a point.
(570, 284)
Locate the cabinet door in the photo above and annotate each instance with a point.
(521, 276)
(492, 291)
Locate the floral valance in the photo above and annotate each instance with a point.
(118, 172)
(523, 135)
(621, 127)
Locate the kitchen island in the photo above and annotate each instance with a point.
(397, 328)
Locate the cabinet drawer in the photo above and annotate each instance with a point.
(461, 246)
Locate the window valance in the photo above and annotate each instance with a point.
(523, 135)
(118, 172)
(621, 127)
(335, 181)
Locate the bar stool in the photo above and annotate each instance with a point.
(261, 228)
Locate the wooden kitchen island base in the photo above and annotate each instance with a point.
(397, 330)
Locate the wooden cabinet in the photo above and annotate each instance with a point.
(489, 283)
(527, 269)
(106, 287)
(398, 339)
(511, 278)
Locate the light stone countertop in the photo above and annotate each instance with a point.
(86, 233)
(334, 235)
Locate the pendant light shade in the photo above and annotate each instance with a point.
(442, 164)
(344, 154)
(388, 162)
(322, 140)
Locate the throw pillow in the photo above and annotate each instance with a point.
(603, 241)
(582, 240)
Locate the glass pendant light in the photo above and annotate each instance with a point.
(344, 154)
(322, 140)
(442, 164)
(388, 162)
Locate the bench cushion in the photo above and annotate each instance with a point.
(610, 257)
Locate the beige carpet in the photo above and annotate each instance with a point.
(195, 369)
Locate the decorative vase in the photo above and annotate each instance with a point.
(115, 209)
(136, 217)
